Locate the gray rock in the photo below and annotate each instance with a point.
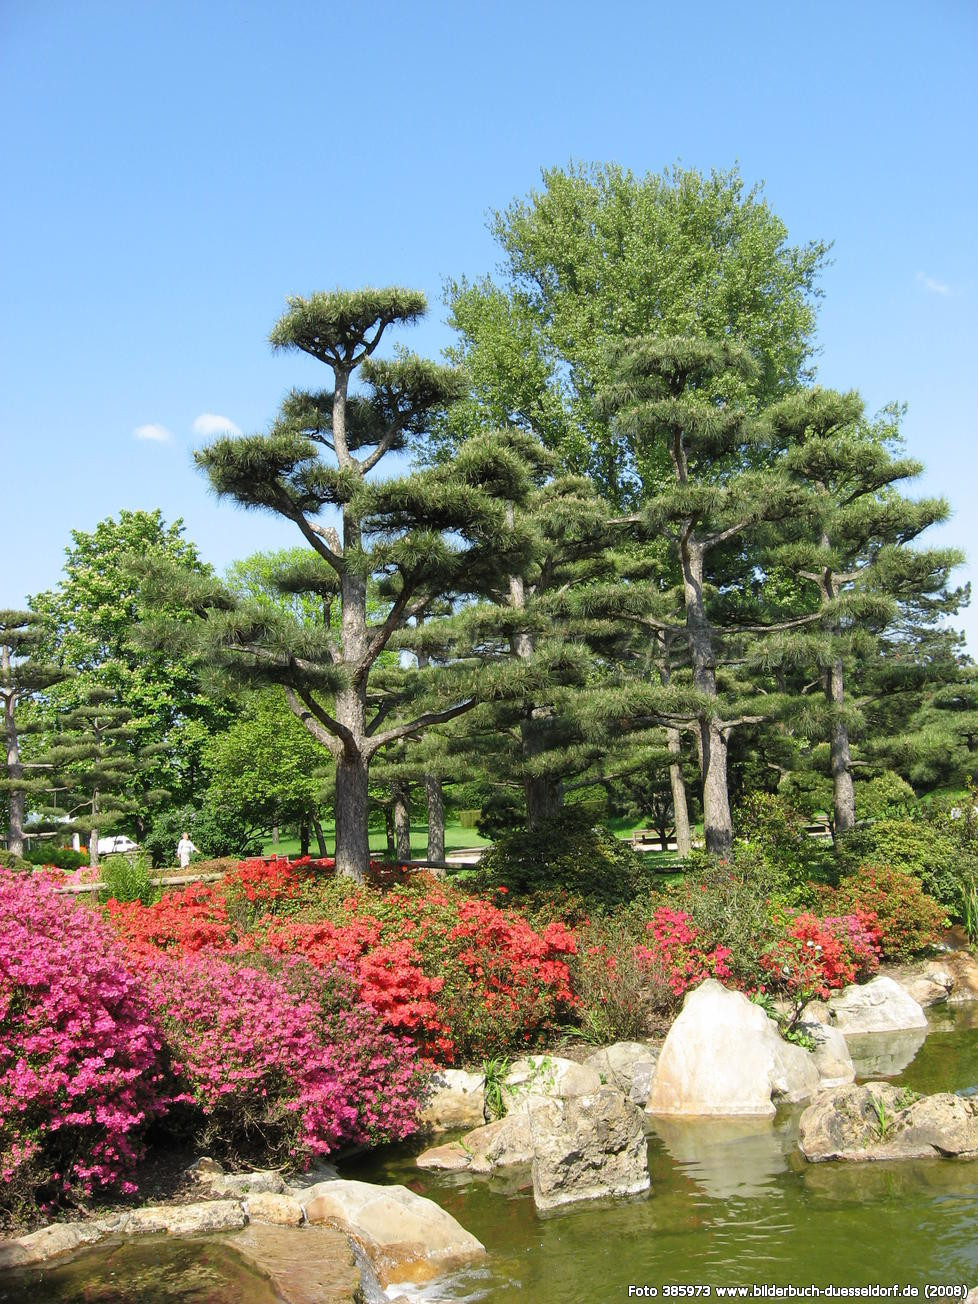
(506, 1143)
(627, 1065)
(537, 1078)
(47, 1243)
(877, 1006)
(455, 1098)
(242, 1184)
(877, 1121)
(588, 1148)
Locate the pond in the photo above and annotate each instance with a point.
(733, 1204)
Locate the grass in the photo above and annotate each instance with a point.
(455, 839)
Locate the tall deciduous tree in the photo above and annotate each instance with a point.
(419, 537)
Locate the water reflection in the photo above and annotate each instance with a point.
(727, 1157)
(884, 1054)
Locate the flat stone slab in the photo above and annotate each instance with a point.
(187, 1219)
(314, 1265)
(405, 1236)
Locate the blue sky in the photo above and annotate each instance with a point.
(172, 171)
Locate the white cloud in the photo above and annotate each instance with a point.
(209, 423)
(935, 287)
(155, 434)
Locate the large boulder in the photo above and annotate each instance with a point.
(881, 1005)
(588, 1148)
(962, 967)
(880, 1121)
(405, 1236)
(627, 1065)
(506, 1143)
(538, 1078)
(455, 1098)
(928, 982)
(724, 1056)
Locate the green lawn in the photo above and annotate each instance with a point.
(455, 838)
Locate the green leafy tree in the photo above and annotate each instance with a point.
(599, 254)
(90, 622)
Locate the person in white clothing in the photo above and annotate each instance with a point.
(185, 849)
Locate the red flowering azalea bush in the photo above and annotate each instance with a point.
(79, 1050)
(675, 944)
(285, 1062)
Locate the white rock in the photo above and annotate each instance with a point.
(405, 1236)
(832, 1057)
(724, 1056)
(455, 1098)
(877, 1006)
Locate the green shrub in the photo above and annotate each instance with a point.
(770, 826)
(907, 919)
(621, 998)
(885, 796)
(61, 857)
(9, 861)
(735, 904)
(126, 878)
(567, 854)
(914, 847)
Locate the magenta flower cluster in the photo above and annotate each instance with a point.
(79, 1048)
(290, 1057)
(247, 1056)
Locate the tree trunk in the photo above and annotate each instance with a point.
(711, 738)
(15, 772)
(352, 837)
(544, 797)
(402, 820)
(93, 835)
(389, 831)
(435, 800)
(680, 808)
(320, 839)
(274, 835)
(843, 791)
(304, 838)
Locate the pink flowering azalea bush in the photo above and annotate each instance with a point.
(80, 1046)
(284, 1062)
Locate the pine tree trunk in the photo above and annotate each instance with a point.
(304, 838)
(320, 837)
(15, 772)
(435, 800)
(680, 808)
(352, 837)
(843, 790)
(711, 740)
(402, 820)
(93, 835)
(274, 835)
(389, 831)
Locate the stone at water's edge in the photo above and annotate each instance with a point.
(186, 1219)
(881, 1005)
(927, 982)
(270, 1207)
(503, 1144)
(832, 1056)
(47, 1243)
(724, 1056)
(544, 1077)
(313, 1266)
(627, 1065)
(405, 1236)
(588, 1148)
(873, 1122)
(455, 1098)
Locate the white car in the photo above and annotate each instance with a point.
(119, 844)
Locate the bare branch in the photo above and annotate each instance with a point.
(422, 722)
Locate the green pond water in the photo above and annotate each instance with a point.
(733, 1204)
